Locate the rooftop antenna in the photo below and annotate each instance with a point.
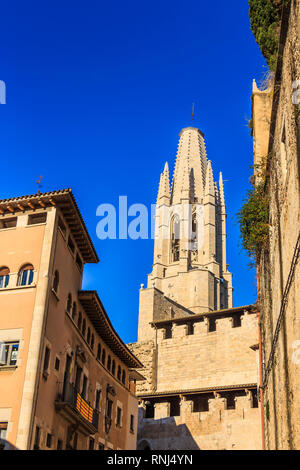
(39, 183)
(193, 112)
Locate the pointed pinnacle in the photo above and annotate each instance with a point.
(164, 184)
(209, 180)
(221, 190)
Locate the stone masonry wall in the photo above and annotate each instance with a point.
(216, 429)
(279, 269)
(207, 359)
(145, 351)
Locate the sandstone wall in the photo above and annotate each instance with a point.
(206, 359)
(216, 429)
(279, 266)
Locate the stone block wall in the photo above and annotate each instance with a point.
(216, 429)
(207, 359)
(279, 265)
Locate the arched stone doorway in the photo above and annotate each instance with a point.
(143, 445)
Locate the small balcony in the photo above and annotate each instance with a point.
(75, 409)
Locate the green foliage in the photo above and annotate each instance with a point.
(254, 221)
(265, 25)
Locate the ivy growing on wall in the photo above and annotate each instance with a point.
(254, 221)
(265, 25)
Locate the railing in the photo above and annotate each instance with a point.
(68, 394)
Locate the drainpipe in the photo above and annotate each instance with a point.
(260, 363)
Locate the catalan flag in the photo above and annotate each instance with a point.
(84, 408)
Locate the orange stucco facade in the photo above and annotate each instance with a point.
(66, 378)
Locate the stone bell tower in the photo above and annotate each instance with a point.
(189, 270)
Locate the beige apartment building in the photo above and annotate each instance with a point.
(66, 378)
(199, 352)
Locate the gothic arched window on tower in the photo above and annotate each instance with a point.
(194, 234)
(175, 238)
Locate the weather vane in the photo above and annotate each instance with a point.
(39, 183)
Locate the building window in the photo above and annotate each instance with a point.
(109, 408)
(119, 373)
(97, 400)
(57, 364)
(3, 434)
(254, 398)
(103, 356)
(83, 327)
(59, 444)
(175, 239)
(108, 363)
(131, 423)
(25, 276)
(4, 277)
(62, 227)
(84, 386)
(71, 244)
(237, 321)
(78, 378)
(99, 352)
(92, 341)
(230, 399)
(9, 353)
(123, 377)
(46, 362)
(190, 328)
(49, 440)
(69, 303)
(8, 223)
(74, 311)
(113, 367)
(149, 412)
(37, 437)
(168, 332)
(212, 326)
(100, 447)
(79, 323)
(88, 337)
(194, 235)
(119, 417)
(201, 402)
(39, 218)
(91, 443)
(56, 282)
(175, 406)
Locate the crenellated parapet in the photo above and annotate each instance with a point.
(212, 419)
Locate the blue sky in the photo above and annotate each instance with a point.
(97, 93)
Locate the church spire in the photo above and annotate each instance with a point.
(192, 154)
(186, 182)
(209, 181)
(164, 187)
(221, 190)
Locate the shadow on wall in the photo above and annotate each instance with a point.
(165, 434)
